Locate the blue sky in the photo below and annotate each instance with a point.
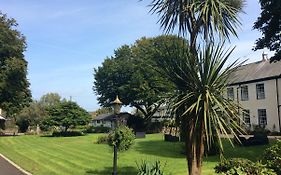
(67, 39)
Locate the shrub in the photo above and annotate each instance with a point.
(272, 157)
(67, 133)
(23, 124)
(154, 127)
(102, 139)
(240, 166)
(97, 129)
(146, 168)
(136, 123)
(123, 137)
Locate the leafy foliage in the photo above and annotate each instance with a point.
(122, 136)
(200, 81)
(131, 74)
(97, 129)
(136, 122)
(272, 157)
(50, 99)
(22, 124)
(206, 17)
(66, 114)
(239, 166)
(146, 168)
(103, 110)
(14, 85)
(67, 133)
(102, 139)
(269, 24)
(31, 115)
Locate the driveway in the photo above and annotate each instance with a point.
(7, 168)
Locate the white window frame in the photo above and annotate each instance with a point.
(262, 117)
(246, 117)
(260, 91)
(244, 93)
(230, 93)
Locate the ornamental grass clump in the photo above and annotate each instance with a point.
(148, 168)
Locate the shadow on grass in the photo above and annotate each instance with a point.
(252, 153)
(108, 170)
(161, 148)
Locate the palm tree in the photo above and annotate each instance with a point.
(199, 97)
(196, 17)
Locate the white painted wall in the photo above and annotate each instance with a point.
(269, 103)
(104, 123)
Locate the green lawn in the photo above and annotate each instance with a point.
(81, 156)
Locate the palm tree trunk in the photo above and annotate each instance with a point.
(194, 149)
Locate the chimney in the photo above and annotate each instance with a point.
(264, 56)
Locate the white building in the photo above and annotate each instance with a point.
(257, 88)
(108, 120)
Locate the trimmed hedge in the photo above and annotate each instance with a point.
(67, 134)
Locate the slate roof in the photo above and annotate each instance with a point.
(257, 71)
(105, 117)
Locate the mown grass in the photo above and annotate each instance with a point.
(82, 156)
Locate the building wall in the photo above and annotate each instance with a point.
(269, 103)
(104, 123)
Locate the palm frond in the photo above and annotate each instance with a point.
(201, 93)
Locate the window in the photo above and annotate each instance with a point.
(262, 117)
(98, 121)
(246, 117)
(244, 93)
(230, 93)
(260, 91)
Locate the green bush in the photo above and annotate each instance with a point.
(23, 124)
(102, 139)
(272, 157)
(146, 168)
(240, 166)
(97, 129)
(123, 137)
(67, 133)
(154, 127)
(136, 123)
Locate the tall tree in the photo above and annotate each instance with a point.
(269, 24)
(207, 21)
(50, 99)
(131, 74)
(14, 85)
(199, 99)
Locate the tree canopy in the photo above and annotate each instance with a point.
(132, 74)
(50, 99)
(199, 17)
(14, 85)
(66, 114)
(269, 24)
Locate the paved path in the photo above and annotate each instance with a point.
(6, 168)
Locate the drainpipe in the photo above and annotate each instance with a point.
(278, 104)
(237, 95)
